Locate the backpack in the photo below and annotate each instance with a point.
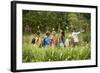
(33, 41)
(43, 42)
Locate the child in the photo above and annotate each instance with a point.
(36, 41)
(46, 40)
(75, 37)
(53, 39)
(68, 41)
(61, 39)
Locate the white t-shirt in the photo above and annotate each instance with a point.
(67, 42)
(75, 36)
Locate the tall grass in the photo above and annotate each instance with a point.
(32, 54)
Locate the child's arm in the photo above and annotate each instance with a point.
(80, 31)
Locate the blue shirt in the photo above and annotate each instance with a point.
(47, 41)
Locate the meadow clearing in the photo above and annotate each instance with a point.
(33, 54)
(44, 21)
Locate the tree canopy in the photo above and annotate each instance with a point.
(47, 20)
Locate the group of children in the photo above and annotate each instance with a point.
(55, 40)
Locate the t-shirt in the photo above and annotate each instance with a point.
(67, 42)
(75, 36)
(47, 40)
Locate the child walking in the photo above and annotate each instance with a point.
(75, 37)
(46, 40)
(36, 41)
(61, 39)
(53, 39)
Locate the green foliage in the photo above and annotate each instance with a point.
(48, 54)
(87, 37)
(46, 20)
(32, 54)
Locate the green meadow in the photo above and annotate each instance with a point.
(32, 54)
